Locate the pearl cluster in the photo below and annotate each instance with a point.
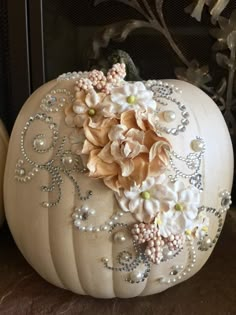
(116, 73)
(149, 234)
(97, 80)
(83, 84)
(174, 242)
(56, 100)
(154, 250)
(143, 233)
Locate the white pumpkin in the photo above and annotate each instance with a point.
(91, 236)
(3, 149)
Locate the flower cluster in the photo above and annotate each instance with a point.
(171, 206)
(115, 133)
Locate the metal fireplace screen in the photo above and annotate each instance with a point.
(155, 38)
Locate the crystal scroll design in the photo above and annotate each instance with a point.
(64, 162)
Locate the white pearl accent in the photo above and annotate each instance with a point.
(169, 115)
(75, 216)
(119, 237)
(167, 254)
(67, 160)
(136, 276)
(197, 145)
(92, 212)
(104, 228)
(207, 242)
(21, 172)
(77, 223)
(39, 143)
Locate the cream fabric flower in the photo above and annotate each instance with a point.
(179, 208)
(130, 96)
(87, 106)
(142, 201)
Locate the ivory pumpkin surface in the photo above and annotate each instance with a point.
(3, 149)
(86, 204)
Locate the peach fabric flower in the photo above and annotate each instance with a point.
(125, 152)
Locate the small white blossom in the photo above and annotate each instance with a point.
(131, 96)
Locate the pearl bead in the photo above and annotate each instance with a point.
(75, 216)
(21, 172)
(92, 212)
(167, 254)
(206, 243)
(119, 237)
(104, 228)
(136, 276)
(125, 257)
(39, 143)
(67, 160)
(197, 145)
(77, 223)
(169, 115)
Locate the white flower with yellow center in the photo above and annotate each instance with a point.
(131, 96)
(142, 201)
(179, 208)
